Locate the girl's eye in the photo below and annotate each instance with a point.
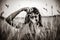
(35, 16)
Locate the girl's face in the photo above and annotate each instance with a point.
(34, 17)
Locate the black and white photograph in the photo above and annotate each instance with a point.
(29, 19)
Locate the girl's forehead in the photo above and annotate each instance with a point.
(31, 10)
(33, 14)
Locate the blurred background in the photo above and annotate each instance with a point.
(49, 10)
(46, 7)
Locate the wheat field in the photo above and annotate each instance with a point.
(51, 25)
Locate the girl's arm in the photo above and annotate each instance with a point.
(7, 32)
(13, 15)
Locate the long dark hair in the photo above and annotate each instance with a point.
(36, 11)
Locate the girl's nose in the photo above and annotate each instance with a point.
(36, 19)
